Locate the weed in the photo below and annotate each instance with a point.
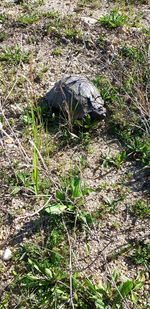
(51, 14)
(86, 123)
(85, 139)
(69, 200)
(3, 36)
(140, 209)
(44, 282)
(71, 33)
(140, 255)
(126, 122)
(116, 162)
(113, 20)
(132, 53)
(26, 117)
(26, 20)
(29, 181)
(2, 18)
(21, 180)
(64, 27)
(90, 3)
(108, 206)
(14, 55)
(138, 2)
(57, 51)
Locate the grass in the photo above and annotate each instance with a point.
(140, 255)
(3, 36)
(43, 276)
(72, 33)
(76, 190)
(113, 20)
(129, 119)
(62, 27)
(132, 53)
(93, 4)
(26, 20)
(57, 51)
(116, 161)
(141, 209)
(14, 55)
(2, 18)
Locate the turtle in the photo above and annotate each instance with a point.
(77, 97)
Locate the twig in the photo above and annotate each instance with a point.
(37, 211)
(13, 133)
(96, 258)
(39, 154)
(70, 266)
(6, 134)
(115, 285)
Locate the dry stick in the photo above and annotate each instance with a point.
(37, 211)
(13, 133)
(39, 154)
(136, 104)
(3, 114)
(96, 258)
(115, 285)
(70, 265)
(44, 165)
(6, 134)
(148, 56)
(8, 158)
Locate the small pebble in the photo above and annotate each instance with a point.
(7, 254)
(146, 287)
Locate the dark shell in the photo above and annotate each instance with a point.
(77, 96)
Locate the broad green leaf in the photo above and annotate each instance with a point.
(138, 286)
(134, 297)
(15, 190)
(48, 272)
(21, 177)
(33, 264)
(56, 209)
(60, 195)
(124, 289)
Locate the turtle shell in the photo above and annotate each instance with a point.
(77, 96)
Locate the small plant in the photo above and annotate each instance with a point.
(57, 51)
(2, 18)
(125, 123)
(140, 209)
(113, 20)
(90, 3)
(72, 33)
(51, 14)
(26, 20)
(22, 180)
(41, 276)
(86, 123)
(59, 27)
(14, 55)
(26, 117)
(132, 53)
(116, 162)
(141, 255)
(69, 200)
(3, 36)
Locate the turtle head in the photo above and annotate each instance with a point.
(97, 109)
(99, 113)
